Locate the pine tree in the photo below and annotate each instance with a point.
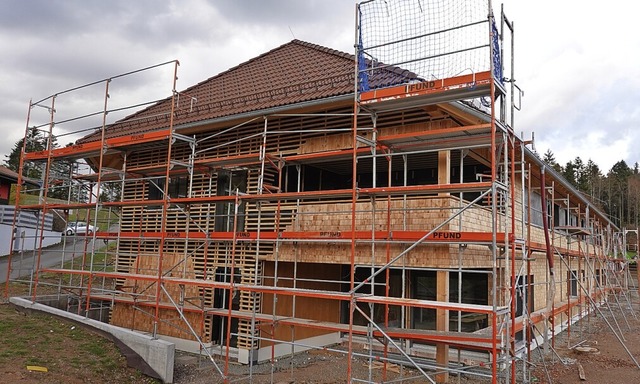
(594, 180)
(569, 173)
(618, 182)
(36, 141)
(550, 159)
(59, 170)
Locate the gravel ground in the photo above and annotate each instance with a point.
(611, 363)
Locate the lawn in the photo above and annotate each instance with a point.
(68, 352)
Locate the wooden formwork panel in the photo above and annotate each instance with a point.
(420, 214)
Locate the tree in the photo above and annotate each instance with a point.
(569, 173)
(618, 193)
(581, 174)
(110, 191)
(59, 171)
(621, 170)
(36, 141)
(550, 159)
(634, 200)
(594, 180)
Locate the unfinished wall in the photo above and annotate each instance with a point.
(323, 277)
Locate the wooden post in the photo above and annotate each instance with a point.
(442, 324)
(442, 277)
(444, 169)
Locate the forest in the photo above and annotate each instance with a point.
(616, 192)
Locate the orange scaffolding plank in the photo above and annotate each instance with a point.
(415, 303)
(334, 193)
(460, 339)
(75, 150)
(419, 189)
(347, 193)
(446, 237)
(123, 297)
(541, 247)
(62, 206)
(78, 150)
(428, 92)
(407, 236)
(139, 138)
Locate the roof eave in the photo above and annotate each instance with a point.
(541, 163)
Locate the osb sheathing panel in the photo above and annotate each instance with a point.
(173, 265)
(305, 307)
(414, 214)
(558, 237)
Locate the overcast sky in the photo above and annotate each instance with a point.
(577, 62)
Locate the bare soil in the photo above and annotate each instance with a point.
(609, 363)
(611, 360)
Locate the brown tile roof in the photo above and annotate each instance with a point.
(292, 73)
(12, 177)
(8, 174)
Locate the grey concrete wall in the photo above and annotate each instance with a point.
(158, 354)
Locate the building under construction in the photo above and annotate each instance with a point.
(378, 204)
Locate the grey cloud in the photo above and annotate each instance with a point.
(58, 18)
(51, 45)
(279, 11)
(315, 21)
(146, 22)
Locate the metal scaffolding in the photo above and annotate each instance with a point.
(337, 226)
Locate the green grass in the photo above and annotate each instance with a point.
(106, 217)
(64, 348)
(102, 261)
(94, 348)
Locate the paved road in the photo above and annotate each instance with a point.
(23, 264)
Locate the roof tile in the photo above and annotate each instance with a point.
(294, 72)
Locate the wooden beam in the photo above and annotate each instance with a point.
(456, 113)
(444, 169)
(479, 158)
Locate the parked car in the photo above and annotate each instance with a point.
(79, 228)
